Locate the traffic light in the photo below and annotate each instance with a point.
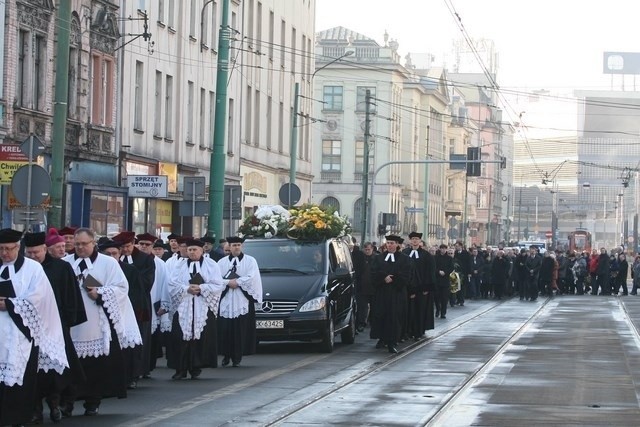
(473, 169)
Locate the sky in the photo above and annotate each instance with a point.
(555, 45)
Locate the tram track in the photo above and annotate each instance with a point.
(369, 371)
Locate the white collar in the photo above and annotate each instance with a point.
(414, 254)
(126, 258)
(79, 260)
(391, 257)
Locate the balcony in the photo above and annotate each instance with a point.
(331, 176)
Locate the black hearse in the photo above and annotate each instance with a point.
(308, 290)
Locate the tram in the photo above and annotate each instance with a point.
(580, 240)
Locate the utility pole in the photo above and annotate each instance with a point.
(60, 112)
(293, 153)
(365, 167)
(217, 164)
(425, 223)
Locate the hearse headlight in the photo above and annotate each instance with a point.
(313, 305)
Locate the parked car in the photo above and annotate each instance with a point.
(308, 291)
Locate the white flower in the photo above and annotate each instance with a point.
(268, 235)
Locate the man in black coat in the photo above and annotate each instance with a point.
(603, 274)
(444, 267)
(532, 268)
(52, 385)
(475, 273)
(499, 273)
(145, 265)
(365, 289)
(463, 257)
(391, 280)
(422, 289)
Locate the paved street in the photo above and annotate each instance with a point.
(572, 360)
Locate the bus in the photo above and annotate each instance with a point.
(580, 240)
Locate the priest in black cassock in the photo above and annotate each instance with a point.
(391, 280)
(237, 319)
(195, 285)
(422, 289)
(52, 385)
(105, 294)
(31, 337)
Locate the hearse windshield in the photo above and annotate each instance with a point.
(287, 255)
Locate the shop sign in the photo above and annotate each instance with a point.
(150, 186)
(11, 159)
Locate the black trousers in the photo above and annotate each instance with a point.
(442, 299)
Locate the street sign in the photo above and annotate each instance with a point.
(548, 234)
(152, 186)
(193, 208)
(28, 216)
(232, 202)
(32, 147)
(414, 210)
(11, 159)
(40, 185)
(289, 194)
(193, 187)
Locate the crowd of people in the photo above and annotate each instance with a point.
(84, 319)
(403, 287)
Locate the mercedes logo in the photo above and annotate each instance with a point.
(267, 306)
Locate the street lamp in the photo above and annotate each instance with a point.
(344, 55)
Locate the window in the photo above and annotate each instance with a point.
(283, 42)
(259, 26)
(452, 146)
(331, 155)
(157, 118)
(212, 117)
(330, 202)
(32, 71)
(203, 118)
(303, 66)
(107, 212)
(361, 98)
(269, 123)
(248, 115)
(193, 14)
(360, 156)
(281, 128)
(250, 21)
(205, 27)
(190, 107)
(72, 105)
(161, 11)
(332, 97)
(230, 126)
(168, 108)
(214, 24)
(170, 13)
(256, 121)
(293, 50)
(271, 33)
(138, 93)
(358, 209)
(102, 91)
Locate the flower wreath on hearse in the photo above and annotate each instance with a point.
(313, 222)
(266, 222)
(307, 222)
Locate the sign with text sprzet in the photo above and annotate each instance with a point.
(11, 159)
(152, 186)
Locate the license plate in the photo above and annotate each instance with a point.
(269, 324)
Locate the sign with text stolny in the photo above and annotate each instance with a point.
(151, 186)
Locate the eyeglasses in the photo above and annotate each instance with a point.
(9, 248)
(82, 244)
(144, 243)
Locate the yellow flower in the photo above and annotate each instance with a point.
(320, 224)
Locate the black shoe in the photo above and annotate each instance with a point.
(146, 376)
(443, 317)
(236, 364)
(437, 313)
(35, 419)
(380, 344)
(226, 360)
(195, 374)
(360, 329)
(66, 409)
(179, 376)
(91, 412)
(392, 349)
(55, 415)
(132, 385)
